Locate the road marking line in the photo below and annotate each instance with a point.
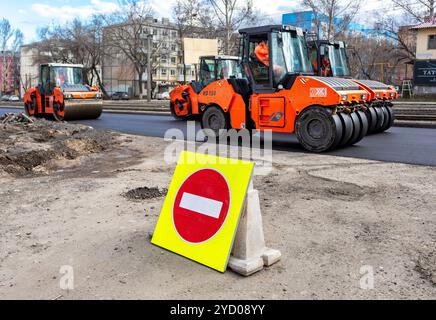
(202, 205)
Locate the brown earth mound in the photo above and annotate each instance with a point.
(27, 144)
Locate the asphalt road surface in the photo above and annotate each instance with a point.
(398, 144)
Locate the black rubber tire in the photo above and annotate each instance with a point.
(348, 128)
(363, 124)
(215, 119)
(380, 120)
(316, 129)
(391, 116)
(387, 119)
(339, 130)
(372, 119)
(356, 129)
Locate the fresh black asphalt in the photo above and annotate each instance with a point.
(398, 144)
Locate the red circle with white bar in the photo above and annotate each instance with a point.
(201, 205)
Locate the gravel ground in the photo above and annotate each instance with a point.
(332, 218)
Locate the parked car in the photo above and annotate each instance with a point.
(120, 96)
(14, 98)
(5, 97)
(163, 95)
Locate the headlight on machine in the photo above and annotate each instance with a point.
(98, 95)
(68, 95)
(363, 97)
(344, 97)
(391, 94)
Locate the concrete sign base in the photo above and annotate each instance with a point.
(249, 253)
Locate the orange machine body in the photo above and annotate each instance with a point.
(378, 90)
(277, 111)
(63, 95)
(184, 100)
(46, 106)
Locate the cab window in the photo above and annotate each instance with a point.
(207, 71)
(227, 69)
(45, 79)
(258, 58)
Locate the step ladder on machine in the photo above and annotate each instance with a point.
(407, 89)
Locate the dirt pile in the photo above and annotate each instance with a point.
(15, 118)
(30, 146)
(144, 193)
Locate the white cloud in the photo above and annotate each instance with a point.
(68, 12)
(270, 10)
(161, 8)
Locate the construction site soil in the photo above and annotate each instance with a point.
(89, 200)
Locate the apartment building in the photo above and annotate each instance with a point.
(9, 73)
(29, 71)
(424, 76)
(119, 73)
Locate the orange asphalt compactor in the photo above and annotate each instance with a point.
(212, 68)
(330, 59)
(278, 91)
(63, 95)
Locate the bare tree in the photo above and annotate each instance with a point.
(126, 33)
(374, 58)
(333, 17)
(77, 42)
(397, 27)
(10, 42)
(6, 33)
(419, 10)
(229, 16)
(193, 18)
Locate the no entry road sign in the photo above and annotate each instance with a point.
(202, 208)
(201, 205)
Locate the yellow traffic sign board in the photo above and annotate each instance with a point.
(201, 211)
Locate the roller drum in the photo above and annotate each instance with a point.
(83, 109)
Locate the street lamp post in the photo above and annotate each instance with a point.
(149, 44)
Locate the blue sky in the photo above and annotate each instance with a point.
(28, 15)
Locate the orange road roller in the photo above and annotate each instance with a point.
(184, 98)
(330, 59)
(62, 94)
(277, 90)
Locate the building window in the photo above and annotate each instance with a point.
(173, 60)
(163, 71)
(432, 42)
(173, 72)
